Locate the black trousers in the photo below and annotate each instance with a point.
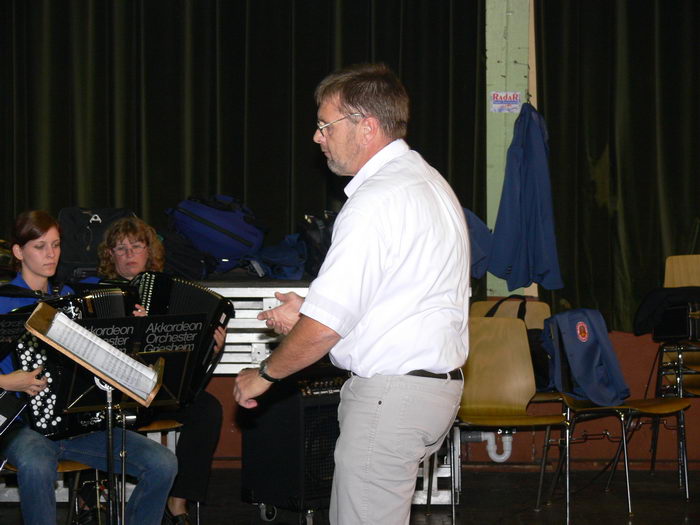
(195, 448)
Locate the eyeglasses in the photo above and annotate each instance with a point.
(321, 127)
(123, 249)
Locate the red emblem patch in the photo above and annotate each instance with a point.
(582, 331)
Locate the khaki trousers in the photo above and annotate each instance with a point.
(388, 424)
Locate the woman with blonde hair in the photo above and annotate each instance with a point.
(130, 247)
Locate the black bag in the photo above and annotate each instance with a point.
(538, 354)
(285, 260)
(316, 233)
(183, 259)
(662, 312)
(677, 323)
(82, 231)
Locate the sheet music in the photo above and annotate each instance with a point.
(102, 355)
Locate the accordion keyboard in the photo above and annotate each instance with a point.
(44, 409)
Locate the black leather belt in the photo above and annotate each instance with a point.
(452, 374)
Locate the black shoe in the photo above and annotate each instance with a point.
(180, 519)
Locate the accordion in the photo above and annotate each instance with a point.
(72, 404)
(161, 293)
(99, 303)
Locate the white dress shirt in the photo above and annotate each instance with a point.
(395, 282)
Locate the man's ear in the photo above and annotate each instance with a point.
(369, 128)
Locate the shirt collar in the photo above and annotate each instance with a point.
(383, 156)
(19, 281)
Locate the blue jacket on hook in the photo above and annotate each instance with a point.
(524, 247)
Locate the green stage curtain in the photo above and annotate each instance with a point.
(140, 104)
(616, 84)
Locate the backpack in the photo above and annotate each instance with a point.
(220, 226)
(279, 261)
(538, 354)
(82, 231)
(182, 259)
(584, 364)
(315, 233)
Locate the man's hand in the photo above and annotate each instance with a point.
(283, 318)
(27, 382)
(248, 386)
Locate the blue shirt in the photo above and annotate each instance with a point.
(7, 304)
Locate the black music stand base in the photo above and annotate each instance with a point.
(112, 512)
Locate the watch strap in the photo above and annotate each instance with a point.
(262, 372)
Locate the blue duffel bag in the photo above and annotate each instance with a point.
(220, 226)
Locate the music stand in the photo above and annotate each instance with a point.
(104, 361)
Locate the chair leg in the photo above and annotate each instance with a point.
(431, 471)
(73, 498)
(97, 497)
(456, 464)
(682, 453)
(450, 451)
(543, 465)
(623, 430)
(197, 505)
(656, 420)
(567, 461)
(654, 443)
(561, 463)
(616, 459)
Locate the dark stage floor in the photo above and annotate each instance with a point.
(488, 498)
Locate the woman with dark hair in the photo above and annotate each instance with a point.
(36, 249)
(130, 247)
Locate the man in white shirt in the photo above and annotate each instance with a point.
(390, 302)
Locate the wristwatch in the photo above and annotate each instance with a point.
(262, 372)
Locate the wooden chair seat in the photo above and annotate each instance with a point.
(162, 425)
(63, 466)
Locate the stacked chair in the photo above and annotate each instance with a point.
(678, 371)
(679, 360)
